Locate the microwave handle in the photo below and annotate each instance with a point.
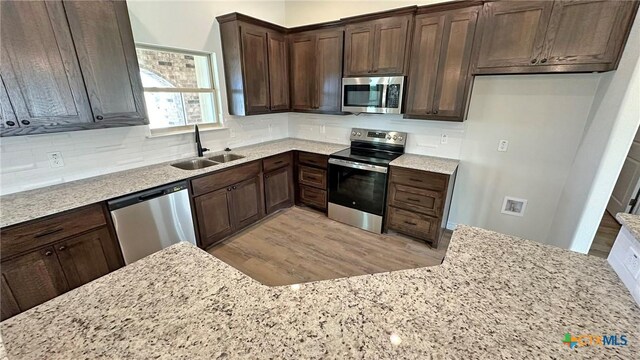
(384, 95)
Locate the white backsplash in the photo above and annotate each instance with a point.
(24, 164)
(423, 136)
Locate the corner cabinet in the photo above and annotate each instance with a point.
(552, 36)
(440, 79)
(377, 47)
(255, 64)
(316, 70)
(88, 78)
(44, 258)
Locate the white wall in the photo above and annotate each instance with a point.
(180, 24)
(612, 124)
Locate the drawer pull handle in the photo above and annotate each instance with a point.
(48, 253)
(416, 180)
(62, 248)
(278, 162)
(412, 199)
(48, 232)
(410, 223)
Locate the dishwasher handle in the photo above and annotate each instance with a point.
(145, 195)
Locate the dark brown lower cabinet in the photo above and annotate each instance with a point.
(278, 189)
(418, 203)
(311, 180)
(230, 207)
(40, 275)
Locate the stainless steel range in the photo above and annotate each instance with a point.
(358, 177)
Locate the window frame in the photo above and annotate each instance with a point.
(218, 124)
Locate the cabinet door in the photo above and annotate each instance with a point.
(39, 68)
(30, 280)
(101, 31)
(278, 72)
(512, 34)
(302, 66)
(248, 203)
(278, 189)
(358, 49)
(423, 69)
(256, 69)
(214, 214)
(454, 79)
(390, 45)
(87, 257)
(586, 32)
(328, 82)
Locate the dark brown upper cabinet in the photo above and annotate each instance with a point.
(558, 36)
(87, 72)
(255, 65)
(377, 47)
(316, 70)
(440, 81)
(102, 35)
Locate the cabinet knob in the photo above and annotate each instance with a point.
(543, 61)
(99, 117)
(25, 122)
(10, 123)
(266, 176)
(233, 187)
(229, 189)
(48, 253)
(429, 112)
(62, 248)
(435, 111)
(534, 61)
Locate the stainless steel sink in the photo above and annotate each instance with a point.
(223, 158)
(194, 164)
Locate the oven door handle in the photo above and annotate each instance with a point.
(357, 165)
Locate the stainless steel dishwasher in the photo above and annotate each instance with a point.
(152, 220)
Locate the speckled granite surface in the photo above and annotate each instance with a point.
(33, 204)
(427, 163)
(631, 222)
(495, 296)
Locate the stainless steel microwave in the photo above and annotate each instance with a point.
(378, 95)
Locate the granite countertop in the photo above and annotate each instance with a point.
(427, 163)
(495, 296)
(631, 222)
(28, 205)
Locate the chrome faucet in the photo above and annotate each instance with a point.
(199, 147)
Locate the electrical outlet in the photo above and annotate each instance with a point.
(55, 159)
(232, 133)
(444, 138)
(632, 263)
(503, 145)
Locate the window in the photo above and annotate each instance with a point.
(178, 88)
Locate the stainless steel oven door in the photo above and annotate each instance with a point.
(357, 185)
(379, 95)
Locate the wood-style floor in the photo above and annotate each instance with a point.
(299, 245)
(605, 236)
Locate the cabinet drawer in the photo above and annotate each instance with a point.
(414, 224)
(276, 162)
(411, 198)
(313, 159)
(312, 177)
(420, 179)
(37, 233)
(313, 197)
(224, 178)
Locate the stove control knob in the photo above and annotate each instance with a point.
(388, 137)
(353, 133)
(400, 138)
(395, 137)
(358, 133)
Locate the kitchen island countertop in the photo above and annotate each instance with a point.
(495, 296)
